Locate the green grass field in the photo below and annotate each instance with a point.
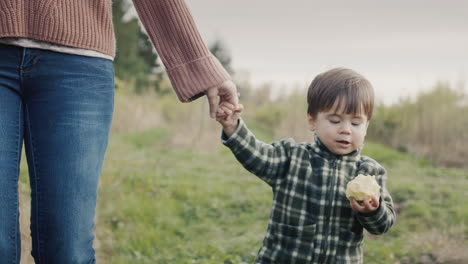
(160, 204)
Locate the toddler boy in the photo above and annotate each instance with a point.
(311, 220)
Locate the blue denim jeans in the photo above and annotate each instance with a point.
(61, 106)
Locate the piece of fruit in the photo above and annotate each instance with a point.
(362, 186)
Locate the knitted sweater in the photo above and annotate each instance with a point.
(87, 24)
(37, 44)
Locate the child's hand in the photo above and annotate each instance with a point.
(365, 206)
(227, 116)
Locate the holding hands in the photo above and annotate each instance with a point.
(227, 93)
(228, 115)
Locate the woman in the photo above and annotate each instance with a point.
(56, 94)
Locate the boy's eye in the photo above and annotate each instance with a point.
(355, 124)
(334, 121)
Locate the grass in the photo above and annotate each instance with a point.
(160, 204)
(179, 206)
(163, 201)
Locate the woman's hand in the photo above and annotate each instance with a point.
(226, 92)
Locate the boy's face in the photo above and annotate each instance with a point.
(341, 133)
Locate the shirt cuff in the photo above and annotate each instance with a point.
(240, 131)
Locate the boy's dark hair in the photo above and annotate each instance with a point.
(344, 85)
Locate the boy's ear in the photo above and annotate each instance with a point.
(311, 122)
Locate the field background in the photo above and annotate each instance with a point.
(171, 193)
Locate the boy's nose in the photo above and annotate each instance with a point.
(345, 129)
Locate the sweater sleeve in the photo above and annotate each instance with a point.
(190, 66)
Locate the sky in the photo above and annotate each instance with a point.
(403, 47)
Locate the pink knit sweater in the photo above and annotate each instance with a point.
(87, 24)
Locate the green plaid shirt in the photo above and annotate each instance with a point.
(311, 220)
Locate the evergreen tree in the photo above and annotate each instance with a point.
(135, 60)
(219, 50)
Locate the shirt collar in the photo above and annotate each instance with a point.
(322, 150)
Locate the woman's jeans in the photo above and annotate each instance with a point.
(61, 105)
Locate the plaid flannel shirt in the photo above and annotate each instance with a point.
(311, 219)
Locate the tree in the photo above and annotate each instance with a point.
(136, 60)
(219, 50)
